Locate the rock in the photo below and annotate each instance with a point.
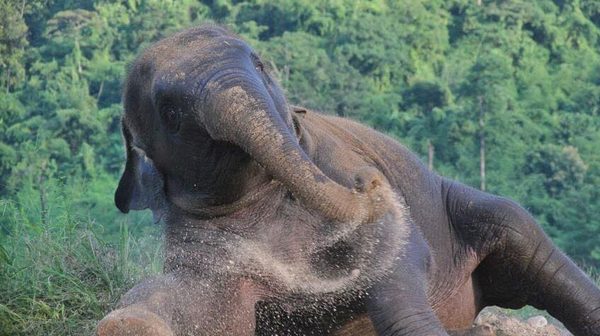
(537, 321)
(505, 325)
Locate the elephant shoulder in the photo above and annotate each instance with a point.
(321, 124)
(338, 135)
(350, 133)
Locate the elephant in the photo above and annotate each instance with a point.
(280, 220)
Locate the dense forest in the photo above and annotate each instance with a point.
(502, 95)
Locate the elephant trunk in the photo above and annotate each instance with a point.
(245, 115)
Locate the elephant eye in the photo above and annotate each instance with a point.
(257, 63)
(259, 66)
(171, 117)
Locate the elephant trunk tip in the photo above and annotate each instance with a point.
(368, 201)
(367, 179)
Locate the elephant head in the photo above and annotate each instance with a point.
(205, 125)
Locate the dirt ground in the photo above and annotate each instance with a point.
(505, 325)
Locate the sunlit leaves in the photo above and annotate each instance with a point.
(422, 71)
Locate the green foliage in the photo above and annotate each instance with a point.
(13, 36)
(437, 75)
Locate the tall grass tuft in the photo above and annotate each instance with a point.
(60, 275)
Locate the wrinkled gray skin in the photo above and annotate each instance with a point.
(283, 221)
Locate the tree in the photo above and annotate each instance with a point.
(487, 91)
(428, 101)
(13, 32)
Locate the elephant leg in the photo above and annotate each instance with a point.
(135, 320)
(177, 304)
(364, 327)
(520, 264)
(144, 310)
(398, 304)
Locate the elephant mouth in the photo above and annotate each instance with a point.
(192, 206)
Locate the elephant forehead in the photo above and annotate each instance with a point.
(184, 49)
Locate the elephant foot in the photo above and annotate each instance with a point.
(481, 330)
(133, 321)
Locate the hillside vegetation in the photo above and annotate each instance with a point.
(501, 95)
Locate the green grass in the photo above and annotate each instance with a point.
(61, 275)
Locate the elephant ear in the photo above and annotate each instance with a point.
(141, 185)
